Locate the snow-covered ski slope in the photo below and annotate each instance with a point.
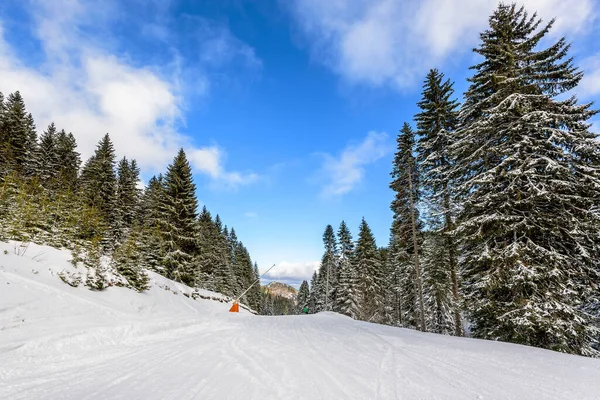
(57, 341)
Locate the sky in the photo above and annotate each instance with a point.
(288, 110)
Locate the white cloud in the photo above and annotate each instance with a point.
(294, 272)
(344, 172)
(383, 42)
(210, 161)
(86, 89)
(251, 214)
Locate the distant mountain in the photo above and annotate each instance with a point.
(281, 290)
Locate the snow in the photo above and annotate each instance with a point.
(58, 341)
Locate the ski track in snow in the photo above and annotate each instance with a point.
(71, 343)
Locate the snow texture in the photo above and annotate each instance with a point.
(58, 341)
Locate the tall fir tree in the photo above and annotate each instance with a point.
(406, 226)
(347, 300)
(369, 276)
(529, 171)
(178, 221)
(151, 242)
(327, 272)
(14, 133)
(32, 148)
(69, 160)
(99, 181)
(436, 124)
(128, 194)
(302, 297)
(48, 157)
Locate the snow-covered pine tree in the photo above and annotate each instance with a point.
(128, 197)
(302, 297)
(529, 171)
(347, 299)
(14, 133)
(151, 243)
(31, 166)
(69, 160)
(127, 259)
(48, 160)
(215, 272)
(178, 221)
(99, 183)
(369, 275)
(327, 272)
(436, 124)
(406, 227)
(315, 292)
(437, 285)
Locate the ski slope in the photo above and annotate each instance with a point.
(57, 341)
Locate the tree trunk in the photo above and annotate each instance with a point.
(416, 253)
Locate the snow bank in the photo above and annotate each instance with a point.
(58, 341)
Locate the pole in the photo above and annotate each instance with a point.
(249, 287)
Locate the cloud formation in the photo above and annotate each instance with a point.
(342, 173)
(87, 87)
(390, 42)
(294, 273)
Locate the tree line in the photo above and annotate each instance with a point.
(496, 226)
(114, 228)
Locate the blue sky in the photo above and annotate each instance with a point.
(288, 110)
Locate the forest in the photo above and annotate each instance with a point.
(496, 209)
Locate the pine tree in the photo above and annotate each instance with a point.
(99, 181)
(128, 196)
(14, 134)
(69, 160)
(178, 221)
(302, 297)
(213, 259)
(327, 272)
(128, 262)
(435, 126)
(437, 286)
(48, 157)
(529, 172)
(31, 166)
(151, 243)
(406, 226)
(315, 292)
(347, 295)
(369, 276)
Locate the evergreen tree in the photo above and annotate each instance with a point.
(437, 286)
(69, 160)
(435, 126)
(347, 295)
(99, 181)
(529, 172)
(302, 297)
(214, 259)
(128, 194)
(14, 134)
(151, 242)
(315, 291)
(369, 279)
(48, 157)
(31, 166)
(178, 221)
(129, 263)
(406, 227)
(327, 272)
